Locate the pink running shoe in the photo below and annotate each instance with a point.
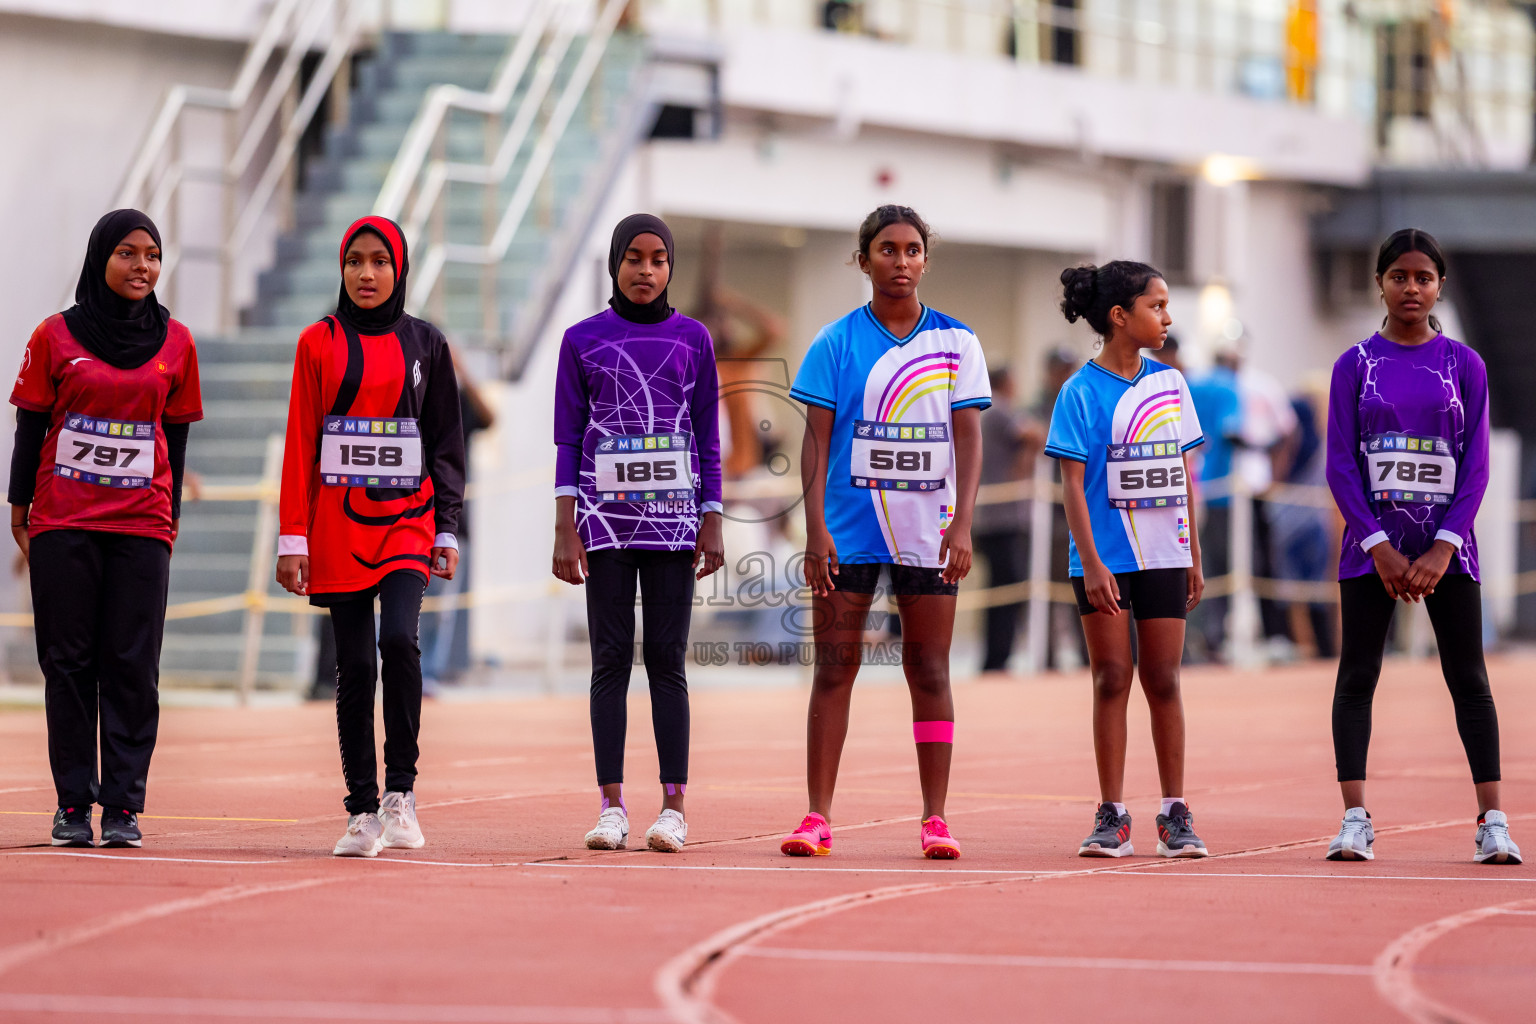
(938, 844)
(812, 839)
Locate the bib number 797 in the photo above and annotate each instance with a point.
(104, 455)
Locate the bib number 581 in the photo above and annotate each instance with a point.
(902, 461)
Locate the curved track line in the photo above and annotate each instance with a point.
(685, 983)
(15, 955)
(1394, 967)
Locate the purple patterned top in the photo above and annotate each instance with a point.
(627, 395)
(1402, 418)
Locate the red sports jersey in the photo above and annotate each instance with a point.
(104, 462)
(365, 399)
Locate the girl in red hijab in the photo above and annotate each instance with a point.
(373, 483)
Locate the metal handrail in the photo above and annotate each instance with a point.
(417, 146)
(441, 253)
(157, 172)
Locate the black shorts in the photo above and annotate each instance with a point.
(906, 580)
(1149, 593)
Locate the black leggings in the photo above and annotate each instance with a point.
(1456, 611)
(666, 583)
(357, 672)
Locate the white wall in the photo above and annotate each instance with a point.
(90, 92)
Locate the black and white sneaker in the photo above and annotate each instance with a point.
(72, 827)
(1176, 834)
(1356, 837)
(120, 827)
(1111, 834)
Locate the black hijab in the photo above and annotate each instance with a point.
(382, 318)
(628, 229)
(121, 332)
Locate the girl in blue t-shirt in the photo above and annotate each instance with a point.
(1122, 428)
(890, 464)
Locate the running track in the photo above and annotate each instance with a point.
(234, 912)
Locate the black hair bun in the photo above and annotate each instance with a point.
(1078, 287)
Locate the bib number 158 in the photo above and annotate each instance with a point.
(388, 455)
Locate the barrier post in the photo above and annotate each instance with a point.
(554, 645)
(1041, 516)
(1243, 606)
(262, 548)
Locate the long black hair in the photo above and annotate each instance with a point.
(1090, 292)
(1398, 245)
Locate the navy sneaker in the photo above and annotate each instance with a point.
(1176, 834)
(120, 827)
(1111, 834)
(72, 827)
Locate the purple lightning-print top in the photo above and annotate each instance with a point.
(1403, 421)
(637, 435)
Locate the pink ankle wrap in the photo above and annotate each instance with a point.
(933, 732)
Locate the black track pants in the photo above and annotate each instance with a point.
(99, 604)
(1456, 612)
(357, 673)
(666, 587)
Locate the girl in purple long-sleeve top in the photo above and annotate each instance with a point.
(637, 499)
(1408, 464)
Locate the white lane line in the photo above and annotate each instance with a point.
(1394, 967)
(1192, 870)
(50, 942)
(1098, 963)
(296, 1009)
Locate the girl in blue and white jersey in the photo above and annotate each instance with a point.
(890, 464)
(1122, 428)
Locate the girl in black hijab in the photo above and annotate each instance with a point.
(104, 396)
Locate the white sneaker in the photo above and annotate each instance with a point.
(668, 834)
(1355, 837)
(364, 837)
(401, 831)
(612, 830)
(1493, 843)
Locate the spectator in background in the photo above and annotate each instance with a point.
(1010, 440)
(1303, 541)
(1060, 364)
(1265, 440)
(445, 633)
(1220, 412)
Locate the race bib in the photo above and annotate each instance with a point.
(370, 452)
(643, 467)
(1410, 467)
(1146, 475)
(900, 456)
(108, 453)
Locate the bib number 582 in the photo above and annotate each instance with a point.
(104, 455)
(1155, 478)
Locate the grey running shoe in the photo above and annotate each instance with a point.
(72, 827)
(1355, 837)
(1111, 834)
(364, 837)
(401, 830)
(1176, 834)
(120, 827)
(1493, 843)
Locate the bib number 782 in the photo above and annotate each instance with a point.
(1409, 472)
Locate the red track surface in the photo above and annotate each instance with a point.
(503, 916)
